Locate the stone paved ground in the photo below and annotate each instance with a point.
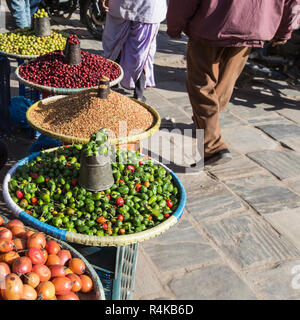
(239, 235)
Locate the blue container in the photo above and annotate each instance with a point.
(115, 267)
(4, 95)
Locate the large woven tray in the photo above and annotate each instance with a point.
(98, 292)
(63, 91)
(72, 139)
(121, 240)
(18, 56)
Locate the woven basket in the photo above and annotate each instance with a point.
(121, 240)
(71, 139)
(98, 292)
(63, 91)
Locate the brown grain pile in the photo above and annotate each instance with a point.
(84, 113)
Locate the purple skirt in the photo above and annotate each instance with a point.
(136, 42)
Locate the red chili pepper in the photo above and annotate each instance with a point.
(105, 226)
(69, 164)
(150, 218)
(74, 182)
(101, 219)
(169, 203)
(141, 163)
(34, 200)
(120, 201)
(138, 187)
(166, 215)
(47, 179)
(108, 196)
(120, 217)
(34, 176)
(20, 194)
(130, 168)
(120, 181)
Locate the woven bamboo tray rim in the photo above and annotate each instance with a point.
(71, 139)
(64, 91)
(98, 292)
(121, 240)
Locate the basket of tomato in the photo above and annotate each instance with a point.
(34, 266)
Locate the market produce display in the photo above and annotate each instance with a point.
(33, 267)
(80, 115)
(25, 42)
(50, 70)
(41, 13)
(143, 194)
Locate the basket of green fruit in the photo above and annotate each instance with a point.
(29, 43)
(145, 200)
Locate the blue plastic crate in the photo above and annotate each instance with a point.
(4, 95)
(115, 267)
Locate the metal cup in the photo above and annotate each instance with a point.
(72, 54)
(42, 27)
(95, 173)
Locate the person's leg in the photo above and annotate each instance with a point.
(34, 6)
(202, 79)
(140, 87)
(19, 13)
(231, 65)
(137, 56)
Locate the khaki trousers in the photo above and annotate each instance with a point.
(211, 76)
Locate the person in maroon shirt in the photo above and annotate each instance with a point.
(221, 34)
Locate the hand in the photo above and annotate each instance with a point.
(105, 5)
(276, 43)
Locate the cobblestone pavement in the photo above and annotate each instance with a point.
(239, 235)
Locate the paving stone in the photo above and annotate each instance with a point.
(171, 89)
(293, 143)
(294, 186)
(146, 282)
(239, 166)
(249, 241)
(208, 198)
(247, 139)
(264, 193)
(279, 282)
(274, 119)
(284, 88)
(179, 247)
(216, 282)
(281, 131)
(228, 120)
(181, 101)
(292, 114)
(283, 164)
(287, 222)
(247, 110)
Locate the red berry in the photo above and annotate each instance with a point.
(120, 217)
(166, 215)
(105, 226)
(130, 168)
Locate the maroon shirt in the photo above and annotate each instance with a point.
(232, 22)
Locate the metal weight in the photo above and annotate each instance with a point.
(42, 27)
(95, 172)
